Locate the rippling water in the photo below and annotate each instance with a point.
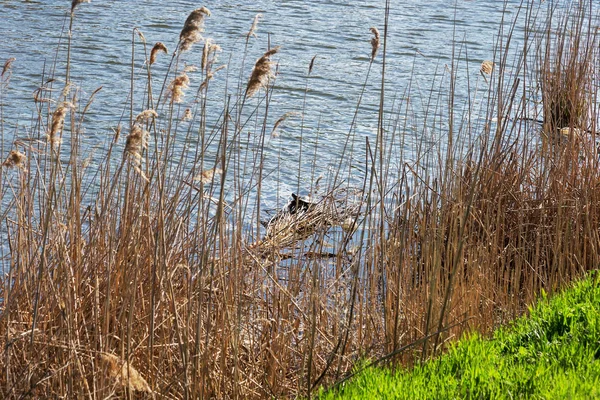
(337, 32)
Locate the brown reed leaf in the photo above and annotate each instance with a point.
(124, 374)
(7, 66)
(254, 27)
(158, 47)
(75, 3)
(208, 175)
(261, 73)
(15, 159)
(375, 42)
(192, 28)
(177, 86)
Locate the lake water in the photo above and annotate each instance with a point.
(337, 32)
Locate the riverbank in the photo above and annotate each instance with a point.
(553, 353)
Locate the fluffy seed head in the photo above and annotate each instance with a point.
(15, 159)
(280, 121)
(252, 31)
(194, 25)
(75, 3)
(145, 115)
(261, 73)
(158, 47)
(375, 42)
(312, 63)
(58, 122)
(177, 86)
(7, 66)
(124, 374)
(208, 175)
(487, 67)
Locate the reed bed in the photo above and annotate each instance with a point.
(151, 275)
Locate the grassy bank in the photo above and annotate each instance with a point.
(553, 353)
(150, 274)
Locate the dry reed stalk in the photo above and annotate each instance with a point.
(192, 28)
(177, 86)
(375, 42)
(124, 374)
(261, 73)
(253, 27)
(15, 159)
(157, 48)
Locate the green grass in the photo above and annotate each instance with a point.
(554, 353)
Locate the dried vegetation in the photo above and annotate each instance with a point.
(150, 276)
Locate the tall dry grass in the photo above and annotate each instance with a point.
(142, 278)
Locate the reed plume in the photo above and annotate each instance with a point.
(312, 64)
(280, 121)
(124, 374)
(15, 159)
(375, 42)
(177, 86)
(193, 26)
(487, 67)
(158, 47)
(75, 3)
(208, 175)
(261, 73)
(7, 66)
(209, 76)
(254, 27)
(136, 142)
(58, 122)
(145, 116)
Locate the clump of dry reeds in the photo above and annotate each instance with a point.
(177, 277)
(192, 28)
(261, 73)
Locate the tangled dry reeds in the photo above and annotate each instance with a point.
(161, 282)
